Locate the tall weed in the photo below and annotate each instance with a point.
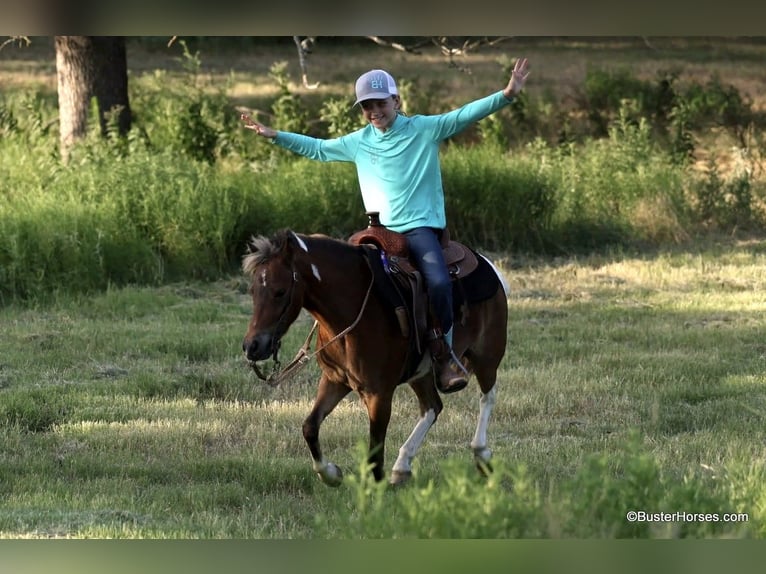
(604, 186)
(496, 200)
(183, 190)
(511, 503)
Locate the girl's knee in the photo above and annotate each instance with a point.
(441, 285)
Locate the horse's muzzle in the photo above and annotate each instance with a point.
(260, 347)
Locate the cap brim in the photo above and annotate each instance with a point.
(374, 96)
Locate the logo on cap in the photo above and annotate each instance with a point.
(375, 84)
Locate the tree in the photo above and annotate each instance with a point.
(95, 67)
(450, 47)
(89, 67)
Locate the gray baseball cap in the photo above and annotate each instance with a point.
(375, 85)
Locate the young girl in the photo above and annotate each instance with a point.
(397, 162)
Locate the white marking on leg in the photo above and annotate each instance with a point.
(479, 442)
(315, 271)
(500, 276)
(300, 242)
(410, 447)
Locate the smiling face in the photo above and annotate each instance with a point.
(381, 113)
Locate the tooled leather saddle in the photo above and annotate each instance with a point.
(410, 303)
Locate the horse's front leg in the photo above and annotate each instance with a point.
(328, 396)
(379, 412)
(430, 407)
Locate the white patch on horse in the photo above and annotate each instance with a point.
(500, 276)
(479, 441)
(315, 271)
(300, 242)
(263, 278)
(410, 447)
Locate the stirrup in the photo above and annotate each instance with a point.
(458, 364)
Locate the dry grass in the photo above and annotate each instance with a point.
(558, 64)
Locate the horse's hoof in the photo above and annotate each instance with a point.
(400, 477)
(482, 457)
(331, 475)
(484, 467)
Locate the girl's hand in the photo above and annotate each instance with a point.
(260, 129)
(518, 78)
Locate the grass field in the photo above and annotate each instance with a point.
(132, 414)
(632, 380)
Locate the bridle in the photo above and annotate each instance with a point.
(279, 329)
(303, 356)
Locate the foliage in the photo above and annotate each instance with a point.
(615, 190)
(511, 503)
(340, 117)
(605, 92)
(288, 113)
(495, 200)
(185, 117)
(181, 192)
(638, 384)
(725, 204)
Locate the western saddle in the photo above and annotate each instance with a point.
(412, 307)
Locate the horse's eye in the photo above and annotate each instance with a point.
(279, 293)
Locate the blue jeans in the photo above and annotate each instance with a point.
(426, 254)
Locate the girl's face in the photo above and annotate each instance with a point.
(380, 113)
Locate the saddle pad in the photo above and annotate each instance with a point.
(479, 285)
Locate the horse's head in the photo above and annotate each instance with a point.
(276, 290)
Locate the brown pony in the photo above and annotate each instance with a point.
(360, 345)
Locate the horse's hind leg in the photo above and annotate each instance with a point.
(328, 396)
(481, 452)
(485, 358)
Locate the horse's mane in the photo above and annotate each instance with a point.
(261, 248)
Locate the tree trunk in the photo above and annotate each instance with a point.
(75, 69)
(91, 67)
(111, 88)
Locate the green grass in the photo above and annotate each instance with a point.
(590, 155)
(630, 382)
(633, 381)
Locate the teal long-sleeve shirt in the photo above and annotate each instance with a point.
(399, 171)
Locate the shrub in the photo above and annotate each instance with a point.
(724, 204)
(179, 195)
(603, 184)
(511, 503)
(495, 200)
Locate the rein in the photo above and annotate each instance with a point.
(303, 356)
